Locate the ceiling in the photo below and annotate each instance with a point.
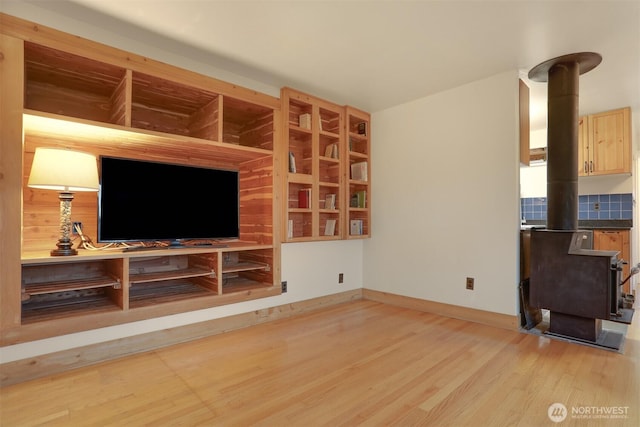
(377, 54)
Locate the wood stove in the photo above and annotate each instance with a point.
(578, 285)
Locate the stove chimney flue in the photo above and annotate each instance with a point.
(562, 74)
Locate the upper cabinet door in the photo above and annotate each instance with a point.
(610, 142)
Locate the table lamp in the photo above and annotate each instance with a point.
(67, 172)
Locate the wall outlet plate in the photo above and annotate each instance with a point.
(470, 283)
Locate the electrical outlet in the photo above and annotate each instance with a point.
(284, 286)
(341, 278)
(596, 206)
(470, 283)
(74, 227)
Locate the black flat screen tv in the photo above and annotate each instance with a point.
(143, 201)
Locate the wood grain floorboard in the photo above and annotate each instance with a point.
(361, 363)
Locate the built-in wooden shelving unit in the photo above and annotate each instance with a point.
(73, 93)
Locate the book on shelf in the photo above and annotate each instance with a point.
(331, 150)
(304, 198)
(290, 229)
(330, 201)
(359, 171)
(362, 128)
(292, 162)
(320, 124)
(358, 199)
(304, 121)
(356, 227)
(330, 227)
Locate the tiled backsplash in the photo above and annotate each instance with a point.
(595, 206)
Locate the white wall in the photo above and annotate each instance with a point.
(445, 180)
(311, 269)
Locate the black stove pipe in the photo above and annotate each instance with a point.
(562, 147)
(563, 73)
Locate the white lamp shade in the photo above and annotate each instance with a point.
(63, 170)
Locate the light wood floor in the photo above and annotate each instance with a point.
(361, 363)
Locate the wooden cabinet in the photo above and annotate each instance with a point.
(313, 144)
(358, 150)
(99, 287)
(77, 94)
(605, 143)
(615, 240)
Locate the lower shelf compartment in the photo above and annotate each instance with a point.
(144, 294)
(36, 311)
(241, 284)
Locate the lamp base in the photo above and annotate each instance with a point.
(64, 249)
(65, 246)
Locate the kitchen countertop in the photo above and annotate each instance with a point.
(588, 224)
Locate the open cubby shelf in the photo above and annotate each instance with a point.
(57, 287)
(158, 292)
(173, 275)
(71, 306)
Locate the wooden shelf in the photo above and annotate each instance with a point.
(64, 308)
(241, 284)
(358, 149)
(356, 155)
(41, 128)
(163, 276)
(319, 154)
(244, 266)
(72, 285)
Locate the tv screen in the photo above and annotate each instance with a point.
(151, 201)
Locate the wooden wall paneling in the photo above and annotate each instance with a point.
(256, 201)
(204, 122)
(11, 105)
(170, 107)
(247, 124)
